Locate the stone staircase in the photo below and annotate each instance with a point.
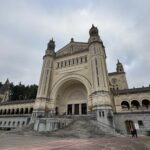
(83, 127)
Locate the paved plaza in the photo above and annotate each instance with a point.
(30, 142)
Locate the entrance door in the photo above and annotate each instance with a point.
(69, 109)
(129, 125)
(76, 109)
(84, 108)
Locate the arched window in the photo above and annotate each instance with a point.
(4, 112)
(13, 111)
(23, 123)
(18, 123)
(5, 123)
(17, 111)
(125, 105)
(0, 112)
(21, 111)
(31, 109)
(13, 123)
(8, 112)
(9, 123)
(146, 103)
(135, 104)
(26, 110)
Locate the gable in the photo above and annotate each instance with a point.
(71, 48)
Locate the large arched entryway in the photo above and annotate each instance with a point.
(71, 98)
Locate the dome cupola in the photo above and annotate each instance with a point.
(51, 45)
(93, 31)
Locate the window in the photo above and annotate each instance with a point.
(85, 58)
(57, 64)
(73, 61)
(5, 123)
(103, 113)
(140, 123)
(81, 59)
(125, 105)
(13, 122)
(62, 64)
(23, 123)
(65, 63)
(77, 60)
(100, 114)
(69, 62)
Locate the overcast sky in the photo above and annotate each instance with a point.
(27, 26)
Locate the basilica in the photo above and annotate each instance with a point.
(75, 82)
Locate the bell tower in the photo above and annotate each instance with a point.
(119, 67)
(101, 97)
(45, 80)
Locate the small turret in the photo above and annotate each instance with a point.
(50, 48)
(93, 31)
(94, 35)
(51, 45)
(119, 67)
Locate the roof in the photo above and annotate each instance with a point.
(115, 73)
(132, 91)
(18, 102)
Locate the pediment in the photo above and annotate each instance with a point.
(71, 48)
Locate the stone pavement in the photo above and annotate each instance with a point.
(30, 142)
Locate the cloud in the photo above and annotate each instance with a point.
(27, 26)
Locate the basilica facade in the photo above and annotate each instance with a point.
(75, 81)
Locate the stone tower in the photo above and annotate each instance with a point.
(99, 78)
(119, 67)
(44, 84)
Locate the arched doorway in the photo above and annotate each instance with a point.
(129, 125)
(71, 98)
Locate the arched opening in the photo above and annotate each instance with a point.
(9, 123)
(8, 112)
(129, 126)
(26, 110)
(5, 123)
(31, 110)
(17, 111)
(71, 98)
(13, 111)
(23, 123)
(135, 104)
(125, 105)
(18, 123)
(146, 103)
(4, 112)
(21, 111)
(13, 123)
(0, 112)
